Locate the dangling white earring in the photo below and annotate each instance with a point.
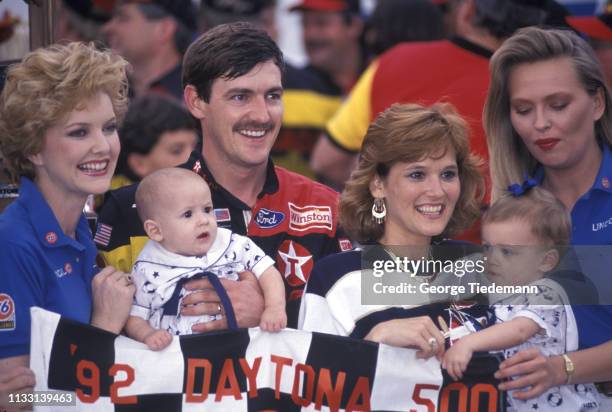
(379, 210)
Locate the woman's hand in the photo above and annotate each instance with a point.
(245, 294)
(419, 333)
(113, 294)
(15, 377)
(20, 379)
(534, 372)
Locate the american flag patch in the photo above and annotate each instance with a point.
(103, 234)
(222, 215)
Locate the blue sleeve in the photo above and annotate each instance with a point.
(21, 287)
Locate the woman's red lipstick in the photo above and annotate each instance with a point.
(547, 144)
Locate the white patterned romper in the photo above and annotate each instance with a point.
(159, 276)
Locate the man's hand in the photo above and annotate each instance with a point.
(245, 294)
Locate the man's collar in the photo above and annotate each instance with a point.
(471, 47)
(326, 79)
(197, 164)
(169, 83)
(271, 183)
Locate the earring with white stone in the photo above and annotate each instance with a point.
(379, 210)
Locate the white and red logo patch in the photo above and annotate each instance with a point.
(68, 267)
(7, 312)
(344, 244)
(302, 218)
(51, 237)
(295, 263)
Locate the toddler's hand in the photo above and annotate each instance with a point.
(273, 319)
(158, 340)
(456, 360)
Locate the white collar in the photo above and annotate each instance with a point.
(153, 252)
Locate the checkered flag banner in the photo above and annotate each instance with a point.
(247, 370)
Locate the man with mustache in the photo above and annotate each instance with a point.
(232, 84)
(331, 31)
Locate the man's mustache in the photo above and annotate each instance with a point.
(254, 126)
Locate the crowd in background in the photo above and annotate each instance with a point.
(477, 124)
(341, 41)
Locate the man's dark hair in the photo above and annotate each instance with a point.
(182, 35)
(227, 51)
(147, 118)
(216, 12)
(396, 21)
(503, 17)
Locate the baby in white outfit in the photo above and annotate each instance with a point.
(176, 208)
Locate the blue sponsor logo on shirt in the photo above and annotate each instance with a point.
(267, 219)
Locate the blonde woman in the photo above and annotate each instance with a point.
(58, 133)
(548, 119)
(548, 115)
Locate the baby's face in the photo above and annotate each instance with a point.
(514, 256)
(187, 218)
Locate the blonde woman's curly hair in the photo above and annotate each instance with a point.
(410, 133)
(45, 87)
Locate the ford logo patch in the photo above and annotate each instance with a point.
(267, 219)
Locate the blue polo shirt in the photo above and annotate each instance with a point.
(592, 213)
(40, 266)
(592, 225)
